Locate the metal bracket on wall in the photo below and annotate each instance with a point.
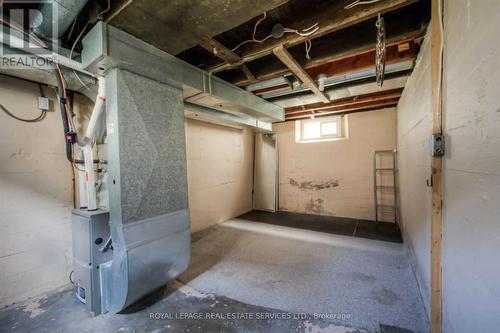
(437, 144)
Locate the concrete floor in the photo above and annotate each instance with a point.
(243, 274)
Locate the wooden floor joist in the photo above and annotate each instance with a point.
(299, 72)
(360, 107)
(330, 19)
(221, 51)
(436, 169)
(345, 102)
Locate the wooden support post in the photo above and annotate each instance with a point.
(436, 169)
(286, 58)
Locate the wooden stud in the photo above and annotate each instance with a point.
(436, 170)
(296, 69)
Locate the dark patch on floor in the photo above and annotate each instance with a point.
(383, 231)
(166, 310)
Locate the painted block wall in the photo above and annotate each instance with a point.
(35, 197)
(471, 217)
(36, 188)
(414, 163)
(471, 176)
(346, 164)
(220, 172)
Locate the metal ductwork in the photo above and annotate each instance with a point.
(55, 17)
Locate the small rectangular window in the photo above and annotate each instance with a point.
(320, 129)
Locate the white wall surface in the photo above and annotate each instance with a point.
(220, 172)
(471, 168)
(414, 163)
(35, 197)
(347, 162)
(471, 218)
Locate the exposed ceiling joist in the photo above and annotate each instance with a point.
(331, 18)
(368, 106)
(344, 102)
(334, 57)
(221, 51)
(296, 69)
(357, 63)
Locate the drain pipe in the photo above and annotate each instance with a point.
(86, 145)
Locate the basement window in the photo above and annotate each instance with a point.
(321, 129)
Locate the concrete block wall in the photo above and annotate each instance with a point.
(471, 182)
(220, 172)
(35, 197)
(471, 217)
(414, 163)
(346, 163)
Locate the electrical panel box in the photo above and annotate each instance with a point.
(90, 231)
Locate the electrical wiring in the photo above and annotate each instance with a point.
(107, 9)
(359, 2)
(33, 120)
(278, 31)
(308, 45)
(253, 40)
(73, 48)
(61, 90)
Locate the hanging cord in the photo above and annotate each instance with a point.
(34, 120)
(308, 45)
(254, 40)
(304, 32)
(279, 33)
(359, 2)
(66, 116)
(73, 48)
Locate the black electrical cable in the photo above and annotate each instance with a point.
(34, 120)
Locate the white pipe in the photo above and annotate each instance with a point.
(97, 111)
(86, 146)
(88, 156)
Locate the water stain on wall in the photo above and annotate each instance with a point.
(315, 206)
(312, 185)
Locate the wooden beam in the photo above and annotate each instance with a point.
(349, 101)
(362, 62)
(295, 68)
(369, 106)
(250, 77)
(355, 64)
(339, 57)
(436, 167)
(221, 51)
(332, 18)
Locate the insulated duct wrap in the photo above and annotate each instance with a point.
(149, 214)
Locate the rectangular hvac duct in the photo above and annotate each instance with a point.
(148, 196)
